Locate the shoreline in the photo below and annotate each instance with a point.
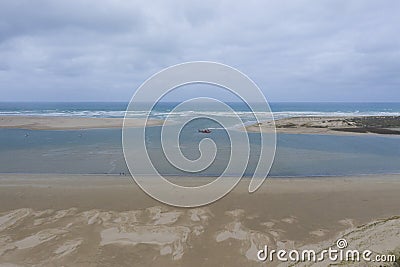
(355, 126)
(376, 125)
(363, 125)
(205, 177)
(71, 123)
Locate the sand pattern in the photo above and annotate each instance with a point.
(55, 232)
(70, 224)
(49, 237)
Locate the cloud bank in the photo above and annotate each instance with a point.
(294, 50)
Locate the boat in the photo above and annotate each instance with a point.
(204, 131)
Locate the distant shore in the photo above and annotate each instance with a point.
(384, 125)
(70, 123)
(387, 125)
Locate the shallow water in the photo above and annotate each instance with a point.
(100, 151)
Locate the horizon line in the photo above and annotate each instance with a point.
(127, 102)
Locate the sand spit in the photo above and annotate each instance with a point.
(388, 125)
(69, 123)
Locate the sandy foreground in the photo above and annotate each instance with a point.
(88, 220)
(69, 123)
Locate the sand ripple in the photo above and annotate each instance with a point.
(61, 234)
(93, 237)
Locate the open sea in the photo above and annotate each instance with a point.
(99, 151)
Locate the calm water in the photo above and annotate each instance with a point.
(100, 151)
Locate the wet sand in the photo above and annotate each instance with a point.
(69, 123)
(89, 220)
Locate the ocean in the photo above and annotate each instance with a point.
(117, 109)
(99, 151)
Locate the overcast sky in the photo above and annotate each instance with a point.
(294, 50)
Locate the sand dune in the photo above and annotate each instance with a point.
(388, 125)
(381, 237)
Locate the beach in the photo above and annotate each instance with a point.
(386, 125)
(347, 125)
(72, 219)
(199, 134)
(100, 220)
(70, 123)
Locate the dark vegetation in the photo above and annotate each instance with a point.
(373, 124)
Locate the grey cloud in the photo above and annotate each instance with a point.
(294, 50)
(24, 17)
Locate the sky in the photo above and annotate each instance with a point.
(95, 50)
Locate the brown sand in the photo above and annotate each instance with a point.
(69, 123)
(86, 220)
